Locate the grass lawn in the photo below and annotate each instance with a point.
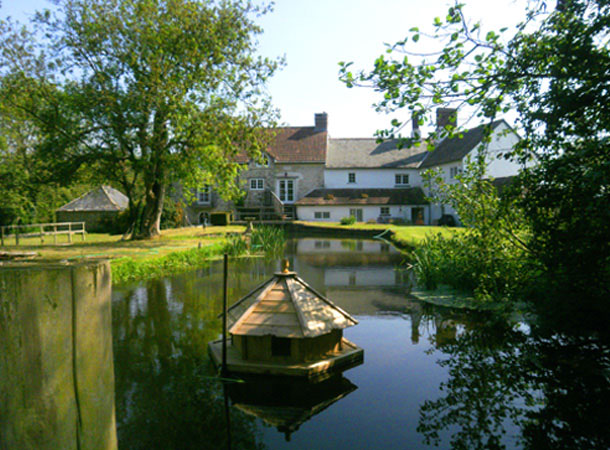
(111, 245)
(405, 234)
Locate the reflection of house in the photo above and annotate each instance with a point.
(287, 403)
(285, 327)
(97, 208)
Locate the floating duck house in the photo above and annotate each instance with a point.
(285, 327)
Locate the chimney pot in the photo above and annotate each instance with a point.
(416, 133)
(444, 117)
(321, 122)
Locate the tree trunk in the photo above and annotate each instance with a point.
(150, 223)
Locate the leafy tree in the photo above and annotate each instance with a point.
(554, 73)
(151, 91)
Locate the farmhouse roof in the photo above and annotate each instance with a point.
(454, 149)
(330, 197)
(367, 153)
(286, 306)
(295, 145)
(104, 198)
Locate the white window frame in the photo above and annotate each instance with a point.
(204, 195)
(258, 165)
(400, 178)
(381, 210)
(257, 184)
(351, 177)
(321, 214)
(294, 190)
(454, 171)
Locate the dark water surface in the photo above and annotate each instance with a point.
(431, 376)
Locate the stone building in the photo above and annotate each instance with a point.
(293, 166)
(96, 208)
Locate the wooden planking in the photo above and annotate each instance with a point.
(275, 330)
(282, 319)
(276, 307)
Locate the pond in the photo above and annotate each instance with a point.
(431, 376)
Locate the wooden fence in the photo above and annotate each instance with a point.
(42, 230)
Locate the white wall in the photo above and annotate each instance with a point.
(368, 212)
(369, 178)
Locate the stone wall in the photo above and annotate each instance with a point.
(94, 220)
(56, 361)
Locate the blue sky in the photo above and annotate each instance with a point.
(315, 35)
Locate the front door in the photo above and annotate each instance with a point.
(357, 213)
(286, 190)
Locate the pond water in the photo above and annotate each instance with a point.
(431, 376)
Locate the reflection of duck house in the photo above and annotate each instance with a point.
(286, 403)
(285, 327)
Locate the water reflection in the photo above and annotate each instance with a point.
(286, 403)
(432, 376)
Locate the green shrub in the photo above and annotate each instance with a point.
(270, 240)
(221, 218)
(348, 220)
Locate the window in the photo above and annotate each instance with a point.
(265, 162)
(321, 214)
(257, 184)
(286, 188)
(357, 213)
(401, 179)
(203, 195)
(351, 177)
(384, 210)
(454, 171)
(280, 346)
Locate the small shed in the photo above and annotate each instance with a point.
(285, 327)
(96, 208)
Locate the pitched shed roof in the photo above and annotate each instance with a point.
(367, 153)
(104, 198)
(286, 306)
(328, 197)
(456, 148)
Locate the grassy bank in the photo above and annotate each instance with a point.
(130, 269)
(402, 235)
(111, 246)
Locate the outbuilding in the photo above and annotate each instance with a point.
(97, 208)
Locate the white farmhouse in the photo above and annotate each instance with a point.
(381, 182)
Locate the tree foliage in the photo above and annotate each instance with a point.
(152, 91)
(553, 71)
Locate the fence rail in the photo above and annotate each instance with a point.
(42, 230)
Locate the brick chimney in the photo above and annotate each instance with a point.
(445, 116)
(416, 132)
(321, 122)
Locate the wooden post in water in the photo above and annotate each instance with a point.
(41, 234)
(70, 232)
(223, 371)
(55, 234)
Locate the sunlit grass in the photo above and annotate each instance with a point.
(111, 246)
(410, 235)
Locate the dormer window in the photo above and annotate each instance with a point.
(351, 177)
(401, 179)
(203, 195)
(265, 162)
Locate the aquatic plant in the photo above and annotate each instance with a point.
(270, 240)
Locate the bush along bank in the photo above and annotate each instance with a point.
(129, 269)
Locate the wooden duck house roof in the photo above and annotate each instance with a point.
(286, 306)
